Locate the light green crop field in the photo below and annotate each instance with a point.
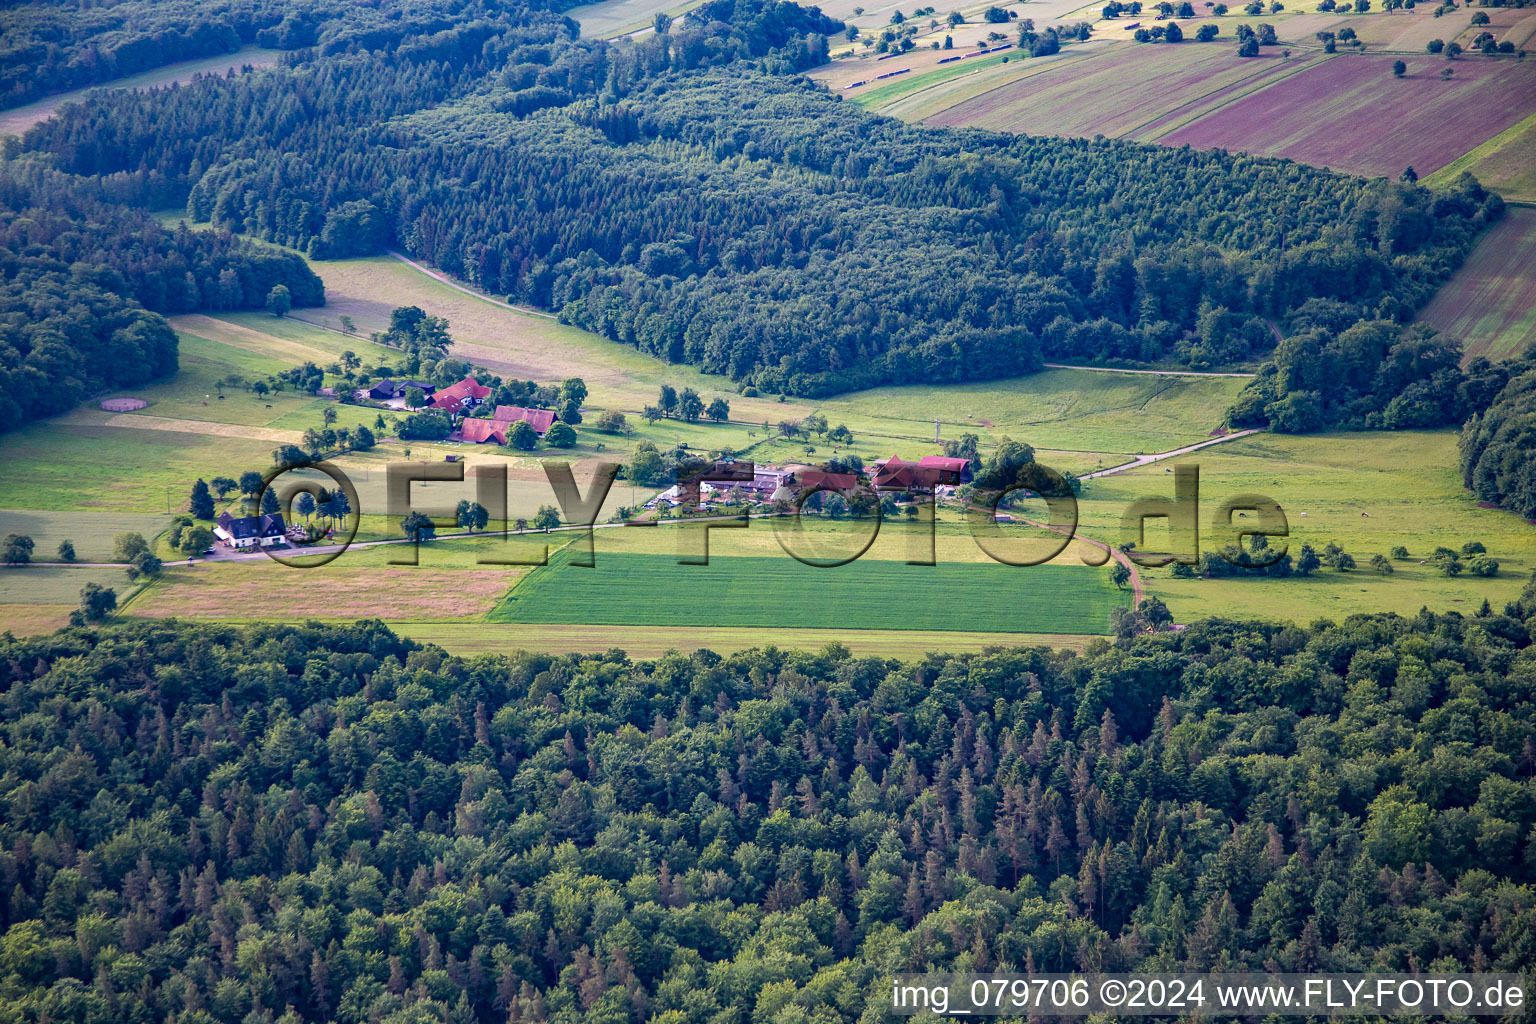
(773, 592)
(1367, 492)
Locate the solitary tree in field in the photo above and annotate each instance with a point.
(1120, 575)
(666, 401)
(719, 410)
(472, 516)
(418, 527)
(97, 602)
(18, 549)
(546, 518)
(146, 565)
(201, 504)
(560, 435)
(66, 550)
(347, 326)
(222, 485)
(279, 301)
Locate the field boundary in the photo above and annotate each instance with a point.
(442, 278)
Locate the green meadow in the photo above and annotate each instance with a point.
(773, 591)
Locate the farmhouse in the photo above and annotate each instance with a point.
(265, 530)
(460, 397)
(803, 479)
(390, 390)
(495, 429)
(931, 471)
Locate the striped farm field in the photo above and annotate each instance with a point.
(1490, 304)
(1349, 113)
(1505, 163)
(778, 591)
(1118, 93)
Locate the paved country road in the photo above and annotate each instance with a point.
(456, 286)
(1147, 460)
(1155, 373)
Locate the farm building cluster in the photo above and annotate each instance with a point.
(732, 482)
(456, 402)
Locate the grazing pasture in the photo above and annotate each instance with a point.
(774, 592)
(1083, 410)
(1490, 303)
(82, 462)
(1349, 113)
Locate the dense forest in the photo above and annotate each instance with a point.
(689, 194)
(223, 824)
(1498, 446)
(56, 45)
(83, 281)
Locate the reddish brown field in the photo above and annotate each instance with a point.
(261, 590)
(1350, 114)
(1117, 94)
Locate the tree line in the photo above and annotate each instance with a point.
(1498, 444)
(50, 47)
(305, 823)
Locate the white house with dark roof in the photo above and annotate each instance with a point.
(266, 530)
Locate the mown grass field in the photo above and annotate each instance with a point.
(82, 466)
(1369, 492)
(1490, 303)
(779, 592)
(1066, 410)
